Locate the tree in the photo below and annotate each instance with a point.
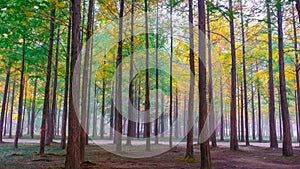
(287, 142)
(171, 81)
(47, 87)
(210, 83)
(272, 124)
(20, 108)
(203, 114)
(85, 81)
(147, 99)
(233, 130)
(156, 77)
(190, 135)
(5, 95)
(244, 76)
(66, 87)
(118, 108)
(73, 148)
(298, 8)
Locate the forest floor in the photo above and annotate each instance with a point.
(256, 156)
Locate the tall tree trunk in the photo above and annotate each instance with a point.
(54, 109)
(287, 141)
(139, 108)
(203, 113)
(85, 80)
(297, 74)
(239, 109)
(24, 107)
(6, 112)
(176, 115)
(119, 82)
(221, 110)
(111, 113)
(73, 149)
(245, 76)
(242, 114)
(95, 112)
(66, 86)
(156, 77)
(147, 99)
(233, 130)
(103, 108)
(280, 116)
(12, 109)
(90, 80)
(19, 122)
(28, 116)
(272, 121)
(162, 118)
(260, 138)
(190, 135)
(253, 109)
(5, 95)
(47, 87)
(298, 8)
(210, 85)
(171, 82)
(33, 109)
(131, 92)
(58, 119)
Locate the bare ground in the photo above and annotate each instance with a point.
(257, 156)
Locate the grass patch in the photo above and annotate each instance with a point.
(188, 160)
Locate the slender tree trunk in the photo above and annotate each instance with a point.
(103, 108)
(24, 107)
(171, 82)
(242, 114)
(297, 74)
(287, 141)
(90, 80)
(66, 86)
(272, 121)
(111, 113)
(19, 122)
(147, 96)
(156, 77)
(190, 135)
(298, 8)
(233, 130)
(139, 108)
(131, 92)
(162, 119)
(221, 111)
(95, 112)
(58, 119)
(51, 127)
(239, 109)
(12, 109)
(119, 82)
(253, 109)
(245, 76)
(33, 109)
(85, 80)
(5, 95)
(47, 87)
(73, 149)
(280, 116)
(203, 113)
(176, 115)
(210, 85)
(28, 116)
(260, 138)
(6, 112)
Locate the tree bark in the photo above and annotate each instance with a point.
(272, 121)
(156, 77)
(245, 76)
(118, 110)
(147, 99)
(33, 109)
(73, 149)
(203, 113)
(5, 95)
(253, 110)
(20, 108)
(190, 135)
(12, 109)
(66, 86)
(233, 130)
(210, 85)
(47, 87)
(287, 141)
(221, 110)
(6, 112)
